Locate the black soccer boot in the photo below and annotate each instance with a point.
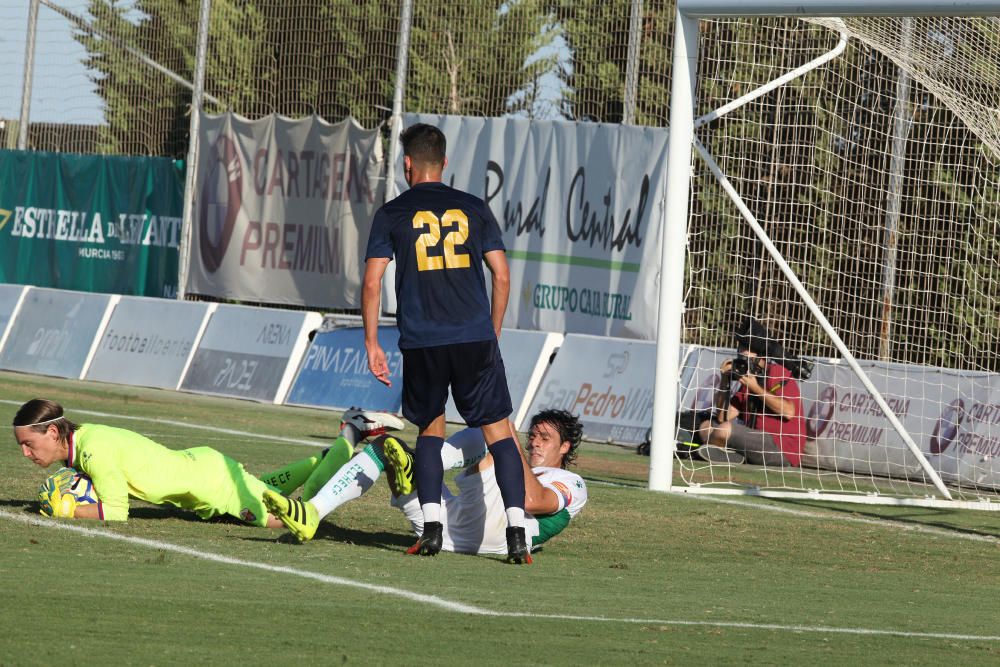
(517, 547)
(429, 543)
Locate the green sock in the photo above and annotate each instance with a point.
(340, 452)
(292, 476)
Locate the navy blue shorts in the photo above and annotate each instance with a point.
(475, 373)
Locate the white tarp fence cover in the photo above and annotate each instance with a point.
(579, 205)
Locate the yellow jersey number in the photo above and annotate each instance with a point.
(453, 219)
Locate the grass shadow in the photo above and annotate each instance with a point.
(26, 506)
(330, 532)
(164, 512)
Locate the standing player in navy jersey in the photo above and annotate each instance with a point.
(448, 329)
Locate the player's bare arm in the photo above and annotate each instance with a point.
(90, 511)
(371, 296)
(496, 261)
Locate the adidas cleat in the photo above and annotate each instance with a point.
(429, 543)
(517, 547)
(401, 462)
(300, 518)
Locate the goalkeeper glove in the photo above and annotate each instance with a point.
(63, 479)
(56, 502)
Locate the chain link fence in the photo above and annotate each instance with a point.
(541, 59)
(586, 60)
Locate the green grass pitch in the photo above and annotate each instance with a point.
(638, 578)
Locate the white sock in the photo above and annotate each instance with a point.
(515, 517)
(464, 448)
(432, 512)
(353, 479)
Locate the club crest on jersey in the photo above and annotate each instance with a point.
(247, 515)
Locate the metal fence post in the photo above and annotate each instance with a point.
(29, 73)
(632, 66)
(402, 62)
(191, 165)
(395, 126)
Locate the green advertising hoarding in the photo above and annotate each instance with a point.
(93, 223)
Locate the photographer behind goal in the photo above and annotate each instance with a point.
(758, 415)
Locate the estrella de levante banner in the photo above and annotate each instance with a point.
(93, 223)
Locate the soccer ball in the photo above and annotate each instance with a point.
(83, 488)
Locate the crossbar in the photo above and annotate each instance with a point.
(826, 8)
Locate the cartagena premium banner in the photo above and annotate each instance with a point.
(282, 209)
(93, 223)
(579, 205)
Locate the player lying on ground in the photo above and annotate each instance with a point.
(122, 463)
(473, 521)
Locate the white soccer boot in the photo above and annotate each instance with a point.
(369, 424)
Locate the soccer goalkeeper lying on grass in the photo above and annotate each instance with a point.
(122, 463)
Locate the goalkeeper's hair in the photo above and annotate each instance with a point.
(569, 427)
(40, 413)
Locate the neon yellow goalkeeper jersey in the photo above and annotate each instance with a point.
(123, 463)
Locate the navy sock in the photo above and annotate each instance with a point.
(509, 472)
(428, 471)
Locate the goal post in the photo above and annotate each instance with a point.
(874, 171)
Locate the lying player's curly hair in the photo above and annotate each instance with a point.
(39, 413)
(569, 427)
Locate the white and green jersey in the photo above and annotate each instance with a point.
(572, 493)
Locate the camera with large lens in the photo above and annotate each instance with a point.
(741, 366)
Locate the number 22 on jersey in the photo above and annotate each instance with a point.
(457, 222)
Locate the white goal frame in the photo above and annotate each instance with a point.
(675, 221)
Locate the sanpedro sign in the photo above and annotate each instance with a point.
(92, 223)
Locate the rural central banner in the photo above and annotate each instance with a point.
(92, 223)
(579, 205)
(282, 208)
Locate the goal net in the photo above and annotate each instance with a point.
(872, 176)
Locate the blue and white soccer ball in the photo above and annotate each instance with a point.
(83, 488)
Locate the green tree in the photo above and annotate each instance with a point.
(473, 57)
(331, 57)
(596, 33)
(298, 57)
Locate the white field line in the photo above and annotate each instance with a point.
(472, 610)
(822, 516)
(203, 427)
